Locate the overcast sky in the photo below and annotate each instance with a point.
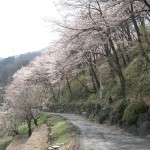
(22, 28)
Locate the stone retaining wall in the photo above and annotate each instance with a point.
(105, 115)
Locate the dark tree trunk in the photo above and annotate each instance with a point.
(119, 70)
(110, 62)
(85, 86)
(122, 56)
(122, 84)
(142, 20)
(93, 68)
(53, 93)
(92, 79)
(29, 127)
(126, 54)
(69, 86)
(35, 121)
(128, 32)
(147, 3)
(142, 51)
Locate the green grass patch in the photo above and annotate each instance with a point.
(23, 128)
(61, 131)
(42, 119)
(5, 141)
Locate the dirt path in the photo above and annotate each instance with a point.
(99, 137)
(37, 141)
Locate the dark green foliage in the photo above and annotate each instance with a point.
(120, 108)
(138, 78)
(102, 117)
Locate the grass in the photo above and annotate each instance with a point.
(23, 128)
(61, 131)
(78, 91)
(5, 139)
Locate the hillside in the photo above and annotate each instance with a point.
(8, 66)
(99, 67)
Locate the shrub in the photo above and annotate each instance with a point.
(120, 108)
(133, 110)
(102, 118)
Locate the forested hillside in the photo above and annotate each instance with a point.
(8, 66)
(102, 57)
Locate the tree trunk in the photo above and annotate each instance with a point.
(69, 86)
(122, 84)
(93, 67)
(110, 62)
(53, 93)
(86, 87)
(142, 20)
(122, 56)
(35, 121)
(119, 70)
(29, 127)
(146, 3)
(93, 82)
(142, 51)
(128, 32)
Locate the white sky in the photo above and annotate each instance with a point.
(22, 28)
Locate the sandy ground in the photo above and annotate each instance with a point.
(37, 141)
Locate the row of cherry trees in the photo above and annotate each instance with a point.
(92, 32)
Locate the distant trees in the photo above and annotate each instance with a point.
(10, 65)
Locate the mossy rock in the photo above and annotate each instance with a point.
(133, 110)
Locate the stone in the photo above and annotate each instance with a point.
(133, 129)
(142, 118)
(55, 146)
(113, 119)
(84, 114)
(144, 129)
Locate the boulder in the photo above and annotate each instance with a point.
(144, 128)
(132, 129)
(113, 120)
(142, 118)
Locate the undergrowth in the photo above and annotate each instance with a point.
(61, 131)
